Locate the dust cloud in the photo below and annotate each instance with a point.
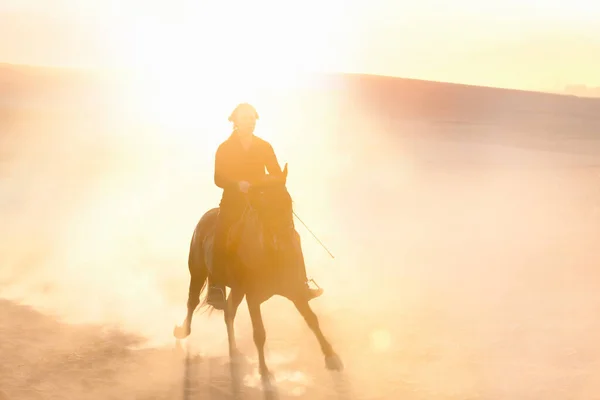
(464, 267)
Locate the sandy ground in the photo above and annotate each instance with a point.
(465, 268)
(468, 306)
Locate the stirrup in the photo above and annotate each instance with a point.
(314, 293)
(214, 289)
(216, 297)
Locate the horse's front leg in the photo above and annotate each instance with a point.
(198, 275)
(236, 359)
(260, 337)
(233, 302)
(332, 360)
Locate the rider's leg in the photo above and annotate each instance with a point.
(216, 280)
(228, 215)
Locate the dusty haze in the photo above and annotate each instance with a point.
(464, 221)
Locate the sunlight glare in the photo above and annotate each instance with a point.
(381, 340)
(189, 75)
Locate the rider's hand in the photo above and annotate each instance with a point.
(244, 186)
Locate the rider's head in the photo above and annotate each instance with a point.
(244, 118)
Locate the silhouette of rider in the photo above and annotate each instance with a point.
(240, 161)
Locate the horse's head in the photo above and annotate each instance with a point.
(274, 204)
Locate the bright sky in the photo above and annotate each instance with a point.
(529, 44)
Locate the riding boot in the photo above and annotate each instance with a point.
(310, 292)
(313, 293)
(216, 282)
(216, 295)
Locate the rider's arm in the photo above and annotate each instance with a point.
(222, 179)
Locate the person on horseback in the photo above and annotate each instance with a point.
(240, 162)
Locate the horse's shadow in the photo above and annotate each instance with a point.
(225, 378)
(246, 382)
(239, 368)
(222, 377)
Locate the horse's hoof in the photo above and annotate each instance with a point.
(267, 377)
(268, 385)
(270, 393)
(182, 332)
(334, 363)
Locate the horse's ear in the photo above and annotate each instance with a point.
(285, 172)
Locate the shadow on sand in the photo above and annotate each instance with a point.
(43, 357)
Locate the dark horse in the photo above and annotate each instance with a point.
(266, 266)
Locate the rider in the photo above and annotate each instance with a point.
(240, 161)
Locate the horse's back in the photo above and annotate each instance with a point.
(204, 227)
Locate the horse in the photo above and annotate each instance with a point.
(264, 267)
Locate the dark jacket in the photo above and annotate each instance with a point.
(234, 164)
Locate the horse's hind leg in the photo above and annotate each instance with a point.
(332, 360)
(233, 302)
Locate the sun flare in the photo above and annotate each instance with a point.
(191, 72)
(381, 340)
